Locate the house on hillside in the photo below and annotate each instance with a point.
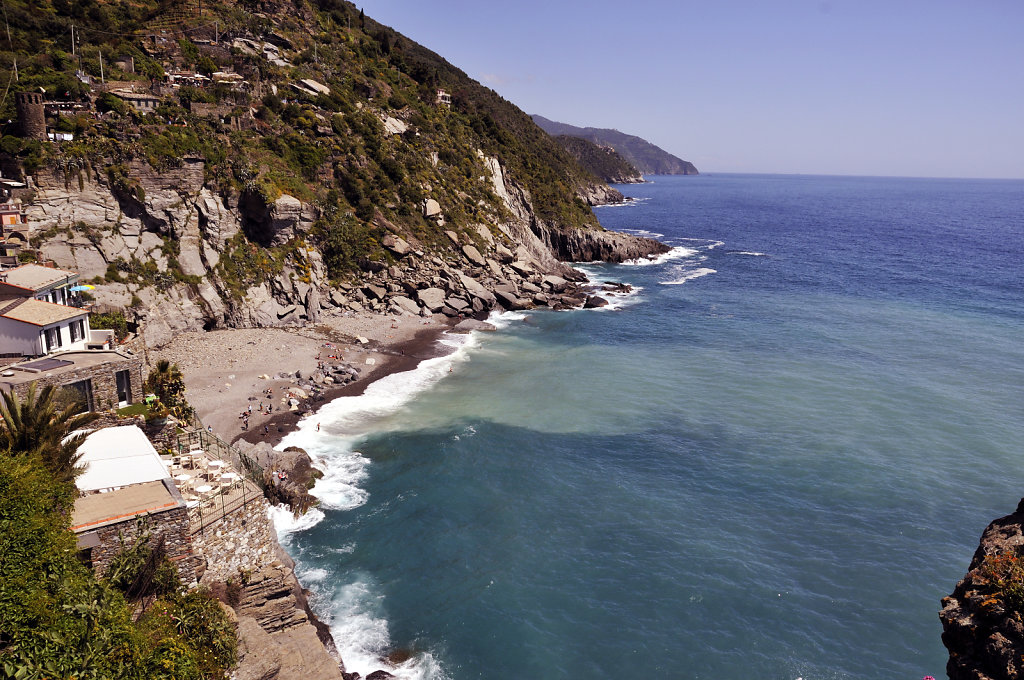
(42, 283)
(143, 102)
(30, 327)
(125, 491)
(104, 378)
(443, 98)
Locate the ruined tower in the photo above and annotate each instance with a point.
(30, 114)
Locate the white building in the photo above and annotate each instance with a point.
(39, 282)
(31, 327)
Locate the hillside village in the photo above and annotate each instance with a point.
(184, 168)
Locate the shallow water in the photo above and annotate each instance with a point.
(775, 457)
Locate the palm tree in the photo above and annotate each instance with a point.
(39, 425)
(166, 382)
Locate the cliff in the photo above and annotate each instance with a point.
(982, 624)
(644, 156)
(334, 177)
(602, 161)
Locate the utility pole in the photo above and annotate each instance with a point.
(216, 31)
(102, 79)
(72, 40)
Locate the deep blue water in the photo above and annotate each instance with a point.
(772, 461)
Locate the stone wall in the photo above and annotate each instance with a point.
(243, 541)
(104, 384)
(171, 525)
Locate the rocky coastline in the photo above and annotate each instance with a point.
(982, 623)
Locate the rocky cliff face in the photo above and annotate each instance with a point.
(982, 623)
(166, 245)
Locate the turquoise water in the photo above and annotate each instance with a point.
(774, 459)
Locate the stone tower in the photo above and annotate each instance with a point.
(30, 114)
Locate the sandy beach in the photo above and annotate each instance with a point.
(228, 371)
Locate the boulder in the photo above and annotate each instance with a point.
(593, 301)
(431, 208)
(337, 299)
(375, 292)
(555, 283)
(522, 268)
(473, 255)
(431, 298)
(404, 305)
(510, 301)
(452, 236)
(474, 288)
(399, 246)
(467, 325)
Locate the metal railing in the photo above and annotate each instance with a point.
(215, 447)
(222, 504)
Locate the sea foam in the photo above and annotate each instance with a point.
(689, 276)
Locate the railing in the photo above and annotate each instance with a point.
(223, 503)
(214, 446)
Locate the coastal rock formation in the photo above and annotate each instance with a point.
(982, 623)
(171, 254)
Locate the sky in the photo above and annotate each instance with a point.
(921, 88)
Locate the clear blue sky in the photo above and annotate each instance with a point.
(857, 87)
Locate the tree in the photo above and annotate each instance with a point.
(168, 384)
(41, 425)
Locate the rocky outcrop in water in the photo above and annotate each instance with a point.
(982, 624)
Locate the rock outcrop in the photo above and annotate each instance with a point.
(180, 255)
(982, 623)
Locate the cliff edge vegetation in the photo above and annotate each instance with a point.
(246, 163)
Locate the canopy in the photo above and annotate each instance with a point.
(119, 456)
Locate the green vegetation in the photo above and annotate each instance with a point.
(603, 161)
(331, 149)
(168, 384)
(114, 321)
(59, 621)
(39, 425)
(1004, 576)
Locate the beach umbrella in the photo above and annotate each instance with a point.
(81, 288)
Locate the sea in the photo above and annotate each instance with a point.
(772, 458)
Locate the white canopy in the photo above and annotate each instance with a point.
(119, 456)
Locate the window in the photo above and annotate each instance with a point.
(77, 329)
(124, 387)
(53, 340)
(84, 389)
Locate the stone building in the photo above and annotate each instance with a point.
(106, 379)
(126, 492)
(31, 114)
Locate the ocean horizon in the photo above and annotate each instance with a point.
(775, 454)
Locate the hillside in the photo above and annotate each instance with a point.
(646, 157)
(603, 162)
(252, 163)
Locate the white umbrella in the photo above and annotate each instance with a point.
(204, 488)
(229, 475)
(217, 463)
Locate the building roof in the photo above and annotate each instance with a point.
(98, 509)
(134, 96)
(14, 375)
(40, 313)
(119, 456)
(37, 277)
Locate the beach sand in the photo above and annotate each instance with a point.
(223, 368)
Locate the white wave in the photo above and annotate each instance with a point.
(642, 232)
(676, 253)
(285, 523)
(307, 576)
(616, 299)
(502, 320)
(361, 633)
(747, 252)
(689, 276)
(714, 244)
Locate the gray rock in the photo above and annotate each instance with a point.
(431, 298)
(397, 245)
(473, 255)
(375, 292)
(510, 301)
(555, 283)
(522, 268)
(467, 325)
(405, 306)
(431, 208)
(593, 301)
